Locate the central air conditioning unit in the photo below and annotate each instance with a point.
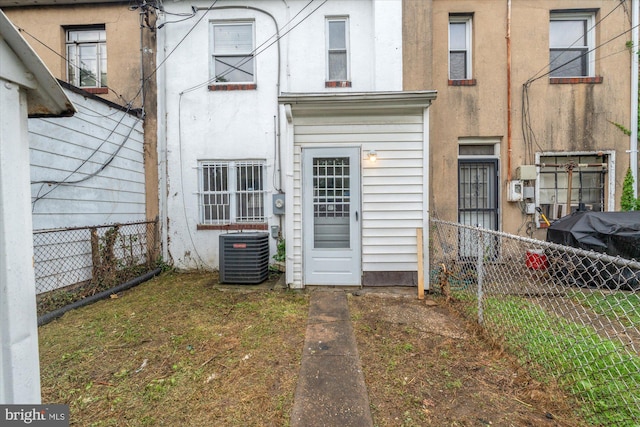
(244, 258)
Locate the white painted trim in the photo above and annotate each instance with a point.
(591, 36)
(287, 149)
(19, 364)
(468, 21)
(426, 195)
(347, 47)
(611, 169)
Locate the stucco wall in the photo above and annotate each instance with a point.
(242, 124)
(46, 35)
(564, 117)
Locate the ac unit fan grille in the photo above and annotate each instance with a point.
(244, 258)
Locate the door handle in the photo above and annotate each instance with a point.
(356, 215)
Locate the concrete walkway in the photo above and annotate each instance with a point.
(331, 389)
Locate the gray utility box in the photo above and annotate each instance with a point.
(244, 257)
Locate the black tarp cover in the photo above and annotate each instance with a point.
(613, 233)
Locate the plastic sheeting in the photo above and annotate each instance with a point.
(613, 233)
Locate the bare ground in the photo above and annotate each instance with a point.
(425, 366)
(183, 350)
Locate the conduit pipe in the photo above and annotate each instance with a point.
(633, 139)
(509, 124)
(46, 318)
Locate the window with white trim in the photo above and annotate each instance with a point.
(338, 49)
(231, 192)
(87, 56)
(571, 44)
(460, 47)
(232, 52)
(587, 176)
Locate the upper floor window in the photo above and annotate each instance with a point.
(231, 192)
(571, 44)
(337, 49)
(459, 47)
(87, 57)
(232, 52)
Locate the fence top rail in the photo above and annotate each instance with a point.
(598, 256)
(89, 227)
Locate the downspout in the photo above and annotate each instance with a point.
(633, 139)
(278, 159)
(162, 144)
(509, 124)
(142, 13)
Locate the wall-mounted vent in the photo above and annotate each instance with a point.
(244, 258)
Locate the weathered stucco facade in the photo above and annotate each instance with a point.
(565, 119)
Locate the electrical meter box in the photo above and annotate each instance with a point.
(514, 192)
(278, 204)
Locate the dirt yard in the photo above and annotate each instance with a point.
(183, 350)
(426, 367)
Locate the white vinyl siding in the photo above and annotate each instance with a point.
(392, 187)
(73, 148)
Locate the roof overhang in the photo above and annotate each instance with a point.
(357, 102)
(23, 3)
(21, 65)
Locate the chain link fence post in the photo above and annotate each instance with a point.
(480, 275)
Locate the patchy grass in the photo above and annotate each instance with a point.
(424, 367)
(180, 350)
(600, 373)
(621, 306)
(177, 351)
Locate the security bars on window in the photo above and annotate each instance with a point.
(231, 192)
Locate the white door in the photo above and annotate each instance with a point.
(331, 216)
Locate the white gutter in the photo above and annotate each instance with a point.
(633, 140)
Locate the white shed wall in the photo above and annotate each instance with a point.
(72, 148)
(392, 187)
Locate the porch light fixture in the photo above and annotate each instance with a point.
(373, 156)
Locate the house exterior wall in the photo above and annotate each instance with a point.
(564, 118)
(127, 54)
(47, 23)
(69, 149)
(204, 124)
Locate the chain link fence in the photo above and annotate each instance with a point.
(73, 263)
(568, 315)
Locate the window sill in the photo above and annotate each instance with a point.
(96, 90)
(466, 82)
(575, 80)
(337, 83)
(234, 86)
(233, 227)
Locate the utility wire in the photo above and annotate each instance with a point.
(260, 49)
(528, 133)
(593, 27)
(67, 60)
(67, 181)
